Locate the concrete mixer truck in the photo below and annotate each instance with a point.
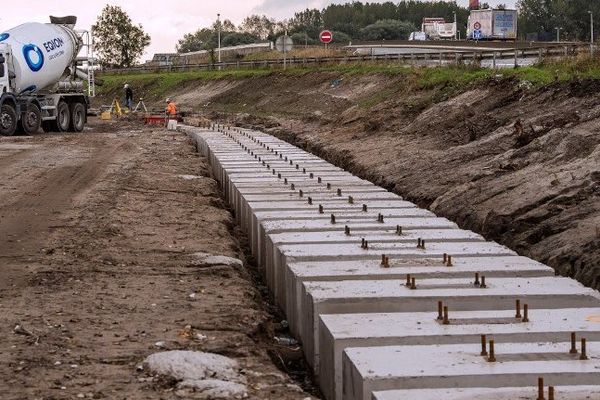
(40, 83)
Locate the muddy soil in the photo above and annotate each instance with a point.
(454, 150)
(98, 232)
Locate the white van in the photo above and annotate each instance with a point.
(417, 36)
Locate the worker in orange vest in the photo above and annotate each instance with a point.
(171, 109)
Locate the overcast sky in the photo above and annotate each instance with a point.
(165, 21)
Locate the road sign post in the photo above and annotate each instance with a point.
(326, 37)
(284, 44)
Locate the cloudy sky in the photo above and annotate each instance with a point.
(165, 21)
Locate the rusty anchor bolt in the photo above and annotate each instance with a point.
(347, 230)
(297, 166)
(278, 175)
(484, 352)
(550, 392)
(449, 263)
(263, 163)
(362, 243)
(332, 219)
(418, 243)
(292, 163)
(380, 218)
(339, 192)
(440, 310)
(445, 258)
(492, 357)
(446, 321)
(268, 166)
(301, 193)
(525, 313)
(477, 281)
(573, 343)
(483, 285)
(364, 208)
(311, 175)
(293, 187)
(407, 280)
(413, 283)
(366, 245)
(303, 170)
(387, 262)
(321, 209)
(540, 389)
(383, 259)
(280, 156)
(399, 230)
(328, 185)
(286, 159)
(285, 181)
(350, 200)
(583, 350)
(319, 180)
(310, 200)
(518, 309)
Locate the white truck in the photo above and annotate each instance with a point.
(39, 79)
(492, 25)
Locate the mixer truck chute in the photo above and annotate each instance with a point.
(40, 84)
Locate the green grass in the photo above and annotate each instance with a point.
(450, 78)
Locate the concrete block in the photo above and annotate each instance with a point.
(341, 331)
(374, 369)
(384, 296)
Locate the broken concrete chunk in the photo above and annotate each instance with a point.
(209, 259)
(216, 389)
(208, 375)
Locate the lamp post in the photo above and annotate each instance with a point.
(591, 32)
(558, 34)
(219, 37)
(455, 26)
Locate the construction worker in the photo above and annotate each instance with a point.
(171, 109)
(128, 97)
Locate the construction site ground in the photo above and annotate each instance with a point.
(97, 269)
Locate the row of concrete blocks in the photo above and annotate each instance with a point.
(389, 301)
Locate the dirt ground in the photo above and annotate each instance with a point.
(98, 231)
(455, 151)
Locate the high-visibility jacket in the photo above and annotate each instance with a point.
(172, 109)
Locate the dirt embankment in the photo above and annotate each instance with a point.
(97, 269)
(455, 151)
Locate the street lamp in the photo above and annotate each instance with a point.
(455, 26)
(558, 34)
(219, 37)
(591, 32)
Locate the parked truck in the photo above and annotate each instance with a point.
(39, 79)
(492, 25)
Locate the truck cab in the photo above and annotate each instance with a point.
(9, 106)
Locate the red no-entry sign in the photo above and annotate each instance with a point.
(326, 37)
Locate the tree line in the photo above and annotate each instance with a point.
(120, 42)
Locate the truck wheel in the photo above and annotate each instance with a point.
(8, 120)
(31, 120)
(63, 116)
(77, 117)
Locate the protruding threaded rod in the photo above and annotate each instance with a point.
(484, 352)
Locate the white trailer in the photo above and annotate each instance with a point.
(438, 29)
(492, 25)
(39, 79)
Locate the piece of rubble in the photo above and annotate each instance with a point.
(210, 259)
(209, 375)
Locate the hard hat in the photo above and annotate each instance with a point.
(168, 100)
(126, 86)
